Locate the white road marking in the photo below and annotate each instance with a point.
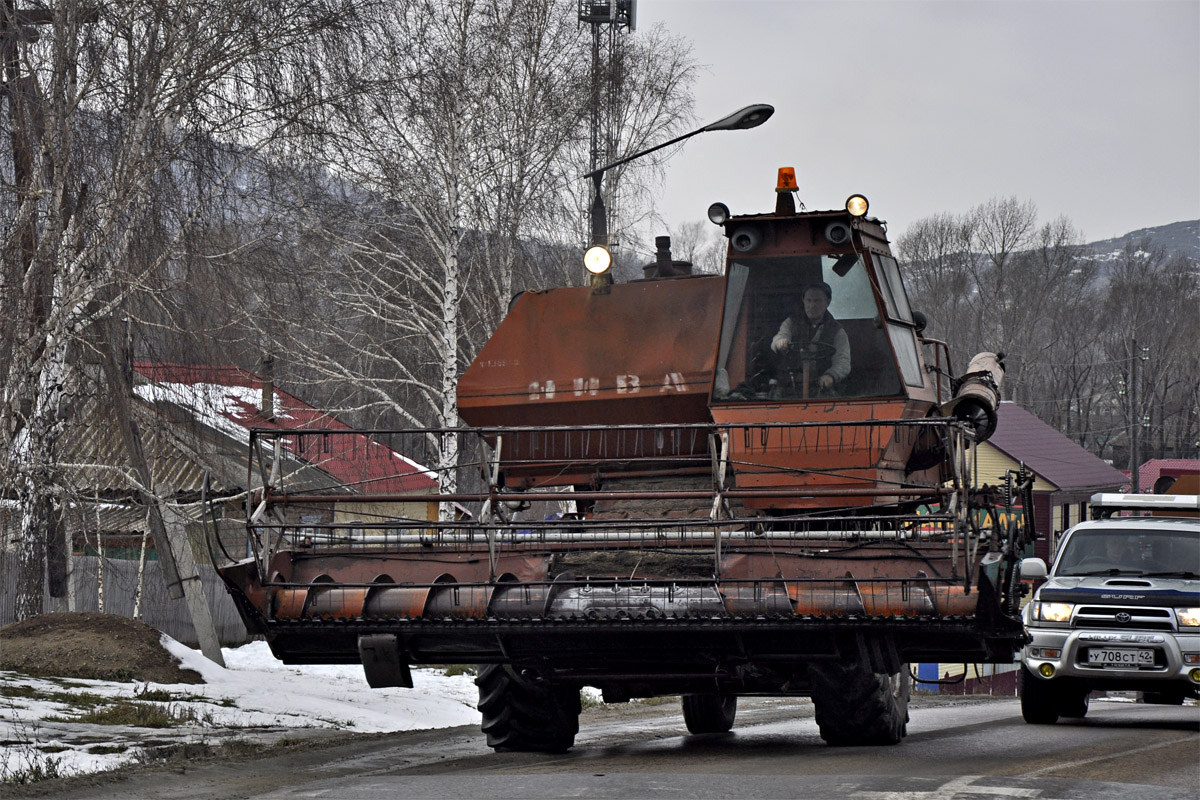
(950, 790)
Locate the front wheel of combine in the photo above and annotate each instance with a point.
(526, 714)
(856, 707)
(709, 713)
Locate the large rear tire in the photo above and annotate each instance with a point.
(1039, 699)
(526, 714)
(855, 707)
(709, 713)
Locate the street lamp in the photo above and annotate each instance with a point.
(598, 259)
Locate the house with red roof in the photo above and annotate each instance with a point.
(1065, 474)
(1159, 475)
(197, 420)
(229, 402)
(232, 400)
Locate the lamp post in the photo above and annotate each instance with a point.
(598, 260)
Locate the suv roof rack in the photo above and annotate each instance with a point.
(1183, 505)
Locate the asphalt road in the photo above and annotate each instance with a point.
(956, 750)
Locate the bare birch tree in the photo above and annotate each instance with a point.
(463, 155)
(106, 106)
(995, 278)
(452, 149)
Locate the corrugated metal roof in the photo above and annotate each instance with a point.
(227, 399)
(85, 520)
(178, 446)
(1153, 469)
(97, 462)
(1053, 456)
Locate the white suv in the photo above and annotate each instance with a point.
(1119, 611)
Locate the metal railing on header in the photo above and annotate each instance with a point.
(371, 489)
(370, 464)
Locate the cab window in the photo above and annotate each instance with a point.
(762, 293)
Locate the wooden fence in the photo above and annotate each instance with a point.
(158, 610)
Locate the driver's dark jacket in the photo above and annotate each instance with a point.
(800, 332)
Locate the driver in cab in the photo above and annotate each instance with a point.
(816, 340)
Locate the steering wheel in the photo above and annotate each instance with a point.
(794, 360)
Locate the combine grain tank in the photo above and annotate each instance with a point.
(734, 514)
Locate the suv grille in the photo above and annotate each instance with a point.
(1135, 618)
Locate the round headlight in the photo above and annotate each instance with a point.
(718, 213)
(857, 205)
(597, 259)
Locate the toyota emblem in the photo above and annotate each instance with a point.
(1122, 617)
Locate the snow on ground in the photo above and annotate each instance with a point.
(253, 697)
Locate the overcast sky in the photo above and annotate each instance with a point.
(1089, 109)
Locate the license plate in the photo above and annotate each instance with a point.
(1120, 657)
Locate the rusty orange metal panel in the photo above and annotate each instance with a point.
(396, 602)
(838, 455)
(335, 602)
(895, 599)
(288, 603)
(644, 353)
(825, 600)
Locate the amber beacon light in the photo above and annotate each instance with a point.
(787, 180)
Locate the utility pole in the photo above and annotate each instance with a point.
(175, 558)
(607, 18)
(1136, 422)
(189, 577)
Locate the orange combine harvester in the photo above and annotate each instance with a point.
(762, 485)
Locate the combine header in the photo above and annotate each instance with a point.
(750, 498)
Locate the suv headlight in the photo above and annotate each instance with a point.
(1053, 612)
(1188, 617)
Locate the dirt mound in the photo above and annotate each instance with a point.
(90, 645)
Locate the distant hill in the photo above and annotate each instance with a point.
(1177, 238)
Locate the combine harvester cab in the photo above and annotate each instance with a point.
(735, 517)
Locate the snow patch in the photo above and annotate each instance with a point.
(213, 404)
(252, 692)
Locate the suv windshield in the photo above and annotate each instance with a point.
(1130, 552)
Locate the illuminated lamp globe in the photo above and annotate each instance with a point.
(857, 205)
(597, 259)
